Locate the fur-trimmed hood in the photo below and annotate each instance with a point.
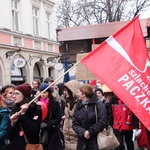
(73, 85)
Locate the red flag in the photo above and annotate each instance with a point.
(120, 62)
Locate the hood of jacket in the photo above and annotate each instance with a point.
(73, 85)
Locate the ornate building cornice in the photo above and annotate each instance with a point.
(36, 3)
(48, 5)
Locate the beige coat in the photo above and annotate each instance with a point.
(70, 136)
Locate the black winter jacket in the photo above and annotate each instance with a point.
(84, 118)
(53, 120)
(30, 122)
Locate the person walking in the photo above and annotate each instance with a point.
(7, 93)
(23, 116)
(4, 121)
(70, 137)
(124, 121)
(84, 118)
(52, 120)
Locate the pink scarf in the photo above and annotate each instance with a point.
(46, 101)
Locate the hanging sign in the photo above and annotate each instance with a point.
(19, 62)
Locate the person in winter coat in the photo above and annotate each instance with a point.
(7, 93)
(4, 121)
(84, 118)
(124, 121)
(53, 118)
(100, 96)
(23, 115)
(70, 91)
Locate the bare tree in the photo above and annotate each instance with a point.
(87, 12)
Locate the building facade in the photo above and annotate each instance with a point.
(28, 41)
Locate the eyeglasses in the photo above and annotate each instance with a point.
(16, 93)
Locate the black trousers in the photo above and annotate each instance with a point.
(127, 135)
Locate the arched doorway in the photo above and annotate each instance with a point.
(37, 72)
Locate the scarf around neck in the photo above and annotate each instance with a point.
(9, 103)
(46, 101)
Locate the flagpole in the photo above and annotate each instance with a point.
(53, 82)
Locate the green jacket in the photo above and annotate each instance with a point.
(4, 122)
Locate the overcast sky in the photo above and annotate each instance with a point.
(145, 14)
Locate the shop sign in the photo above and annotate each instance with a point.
(58, 66)
(19, 62)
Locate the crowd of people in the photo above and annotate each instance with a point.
(70, 119)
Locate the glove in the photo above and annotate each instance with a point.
(44, 125)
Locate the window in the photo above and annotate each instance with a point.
(35, 13)
(48, 25)
(15, 14)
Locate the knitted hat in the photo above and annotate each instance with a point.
(73, 85)
(99, 89)
(43, 86)
(25, 89)
(87, 89)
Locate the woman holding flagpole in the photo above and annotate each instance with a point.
(25, 120)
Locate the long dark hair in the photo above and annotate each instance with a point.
(52, 100)
(71, 99)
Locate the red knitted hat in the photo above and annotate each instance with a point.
(25, 89)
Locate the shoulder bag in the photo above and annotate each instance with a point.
(31, 146)
(106, 139)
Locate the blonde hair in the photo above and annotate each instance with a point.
(2, 104)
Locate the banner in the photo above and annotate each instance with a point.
(120, 63)
(82, 73)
